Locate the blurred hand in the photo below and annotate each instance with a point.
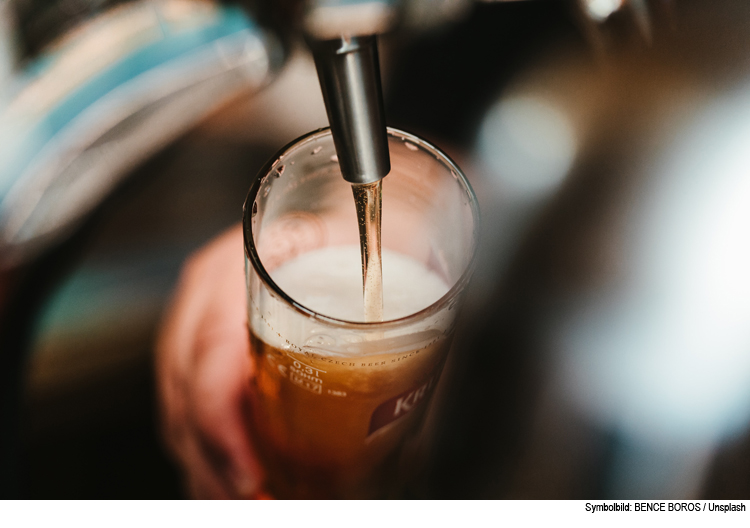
(202, 369)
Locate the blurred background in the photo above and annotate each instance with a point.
(604, 350)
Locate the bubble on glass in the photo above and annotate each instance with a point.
(352, 338)
(320, 340)
(411, 146)
(335, 158)
(316, 150)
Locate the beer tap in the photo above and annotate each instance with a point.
(349, 74)
(343, 40)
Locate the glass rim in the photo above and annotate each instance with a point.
(252, 254)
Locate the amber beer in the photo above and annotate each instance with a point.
(329, 427)
(333, 407)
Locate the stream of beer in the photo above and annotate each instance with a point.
(368, 200)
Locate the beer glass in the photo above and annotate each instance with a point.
(334, 400)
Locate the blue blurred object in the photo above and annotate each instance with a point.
(106, 97)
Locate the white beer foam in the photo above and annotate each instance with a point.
(329, 282)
